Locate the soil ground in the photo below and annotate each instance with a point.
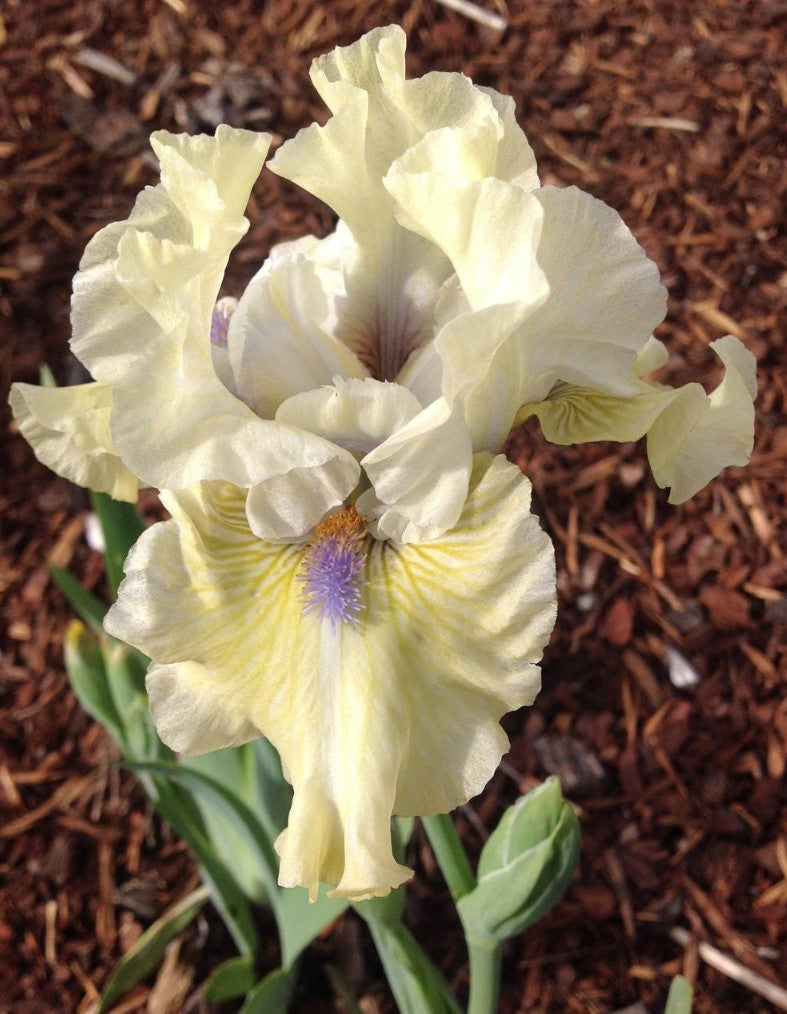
(673, 113)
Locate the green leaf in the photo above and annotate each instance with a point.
(147, 952)
(525, 866)
(388, 911)
(272, 995)
(177, 806)
(529, 821)
(45, 376)
(401, 833)
(680, 998)
(85, 605)
(231, 979)
(239, 843)
(268, 792)
(417, 984)
(84, 661)
(122, 526)
(108, 679)
(259, 784)
(300, 920)
(246, 848)
(125, 669)
(231, 828)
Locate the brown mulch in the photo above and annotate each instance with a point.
(672, 113)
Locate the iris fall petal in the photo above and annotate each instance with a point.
(395, 713)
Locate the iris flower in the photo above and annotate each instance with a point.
(350, 568)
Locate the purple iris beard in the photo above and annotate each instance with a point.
(332, 569)
(220, 322)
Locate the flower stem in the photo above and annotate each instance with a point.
(484, 977)
(455, 867)
(450, 855)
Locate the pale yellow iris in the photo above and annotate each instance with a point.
(347, 570)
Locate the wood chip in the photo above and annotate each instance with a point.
(664, 123)
(713, 315)
(60, 798)
(105, 912)
(476, 13)
(106, 65)
(50, 938)
(733, 969)
(617, 879)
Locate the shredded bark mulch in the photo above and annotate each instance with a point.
(663, 707)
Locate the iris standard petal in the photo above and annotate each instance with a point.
(489, 229)
(68, 429)
(386, 311)
(395, 712)
(515, 159)
(206, 220)
(282, 335)
(378, 115)
(603, 287)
